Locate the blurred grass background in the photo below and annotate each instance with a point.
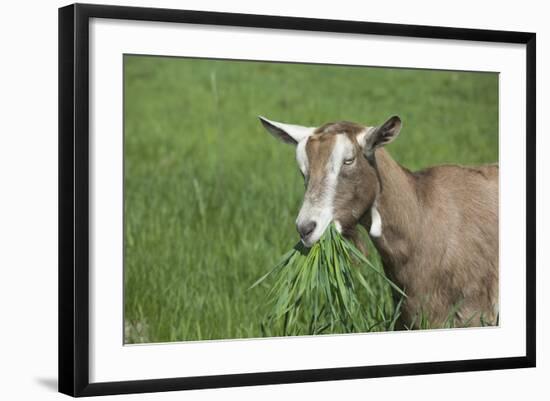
(211, 197)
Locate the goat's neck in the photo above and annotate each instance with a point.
(397, 205)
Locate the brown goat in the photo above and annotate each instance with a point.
(436, 230)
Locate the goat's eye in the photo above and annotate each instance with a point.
(347, 162)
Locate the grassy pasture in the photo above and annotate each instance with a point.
(211, 197)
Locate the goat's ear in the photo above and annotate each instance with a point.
(287, 133)
(375, 137)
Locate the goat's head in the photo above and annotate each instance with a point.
(337, 163)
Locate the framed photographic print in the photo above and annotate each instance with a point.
(251, 199)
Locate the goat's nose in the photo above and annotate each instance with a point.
(305, 229)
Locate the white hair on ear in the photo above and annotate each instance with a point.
(288, 133)
(364, 135)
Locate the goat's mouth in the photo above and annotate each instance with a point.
(312, 223)
(308, 243)
(310, 238)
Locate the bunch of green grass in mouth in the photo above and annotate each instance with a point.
(322, 289)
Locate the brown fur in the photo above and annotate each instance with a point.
(439, 237)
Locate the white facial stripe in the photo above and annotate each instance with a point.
(376, 222)
(342, 149)
(322, 211)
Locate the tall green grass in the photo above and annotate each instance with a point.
(210, 198)
(324, 288)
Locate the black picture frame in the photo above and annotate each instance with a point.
(74, 198)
